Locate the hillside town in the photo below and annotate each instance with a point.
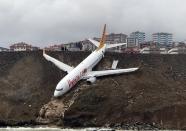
(161, 43)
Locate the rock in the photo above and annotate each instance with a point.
(51, 112)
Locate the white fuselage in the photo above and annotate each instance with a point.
(79, 72)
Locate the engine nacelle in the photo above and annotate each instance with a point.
(91, 80)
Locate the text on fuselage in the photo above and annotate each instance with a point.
(72, 82)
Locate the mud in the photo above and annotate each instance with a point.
(156, 94)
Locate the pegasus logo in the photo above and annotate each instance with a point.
(72, 82)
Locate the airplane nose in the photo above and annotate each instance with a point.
(56, 94)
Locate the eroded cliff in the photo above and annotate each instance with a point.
(156, 94)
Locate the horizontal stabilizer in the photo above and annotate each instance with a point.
(110, 72)
(58, 63)
(96, 43)
(102, 40)
(115, 45)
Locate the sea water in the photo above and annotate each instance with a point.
(53, 129)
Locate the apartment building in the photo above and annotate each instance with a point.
(163, 39)
(140, 36)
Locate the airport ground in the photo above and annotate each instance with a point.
(154, 97)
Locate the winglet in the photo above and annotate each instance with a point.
(102, 41)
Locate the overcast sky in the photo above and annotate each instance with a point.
(42, 22)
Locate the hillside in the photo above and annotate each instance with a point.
(155, 95)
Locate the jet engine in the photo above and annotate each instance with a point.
(91, 80)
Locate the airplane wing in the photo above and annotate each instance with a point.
(110, 72)
(58, 63)
(96, 43)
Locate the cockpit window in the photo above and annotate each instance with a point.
(59, 89)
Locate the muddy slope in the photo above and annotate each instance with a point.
(27, 82)
(155, 94)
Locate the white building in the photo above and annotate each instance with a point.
(87, 45)
(177, 50)
(132, 42)
(20, 47)
(3, 49)
(148, 50)
(163, 39)
(140, 36)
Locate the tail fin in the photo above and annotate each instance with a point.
(102, 41)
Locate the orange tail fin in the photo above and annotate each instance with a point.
(102, 41)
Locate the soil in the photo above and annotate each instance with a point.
(155, 95)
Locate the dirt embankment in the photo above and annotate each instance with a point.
(156, 94)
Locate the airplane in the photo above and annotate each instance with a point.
(83, 71)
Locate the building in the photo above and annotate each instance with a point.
(153, 50)
(132, 42)
(148, 44)
(140, 36)
(87, 45)
(34, 48)
(22, 46)
(163, 39)
(113, 39)
(3, 49)
(84, 45)
(177, 50)
(74, 46)
(55, 47)
(135, 39)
